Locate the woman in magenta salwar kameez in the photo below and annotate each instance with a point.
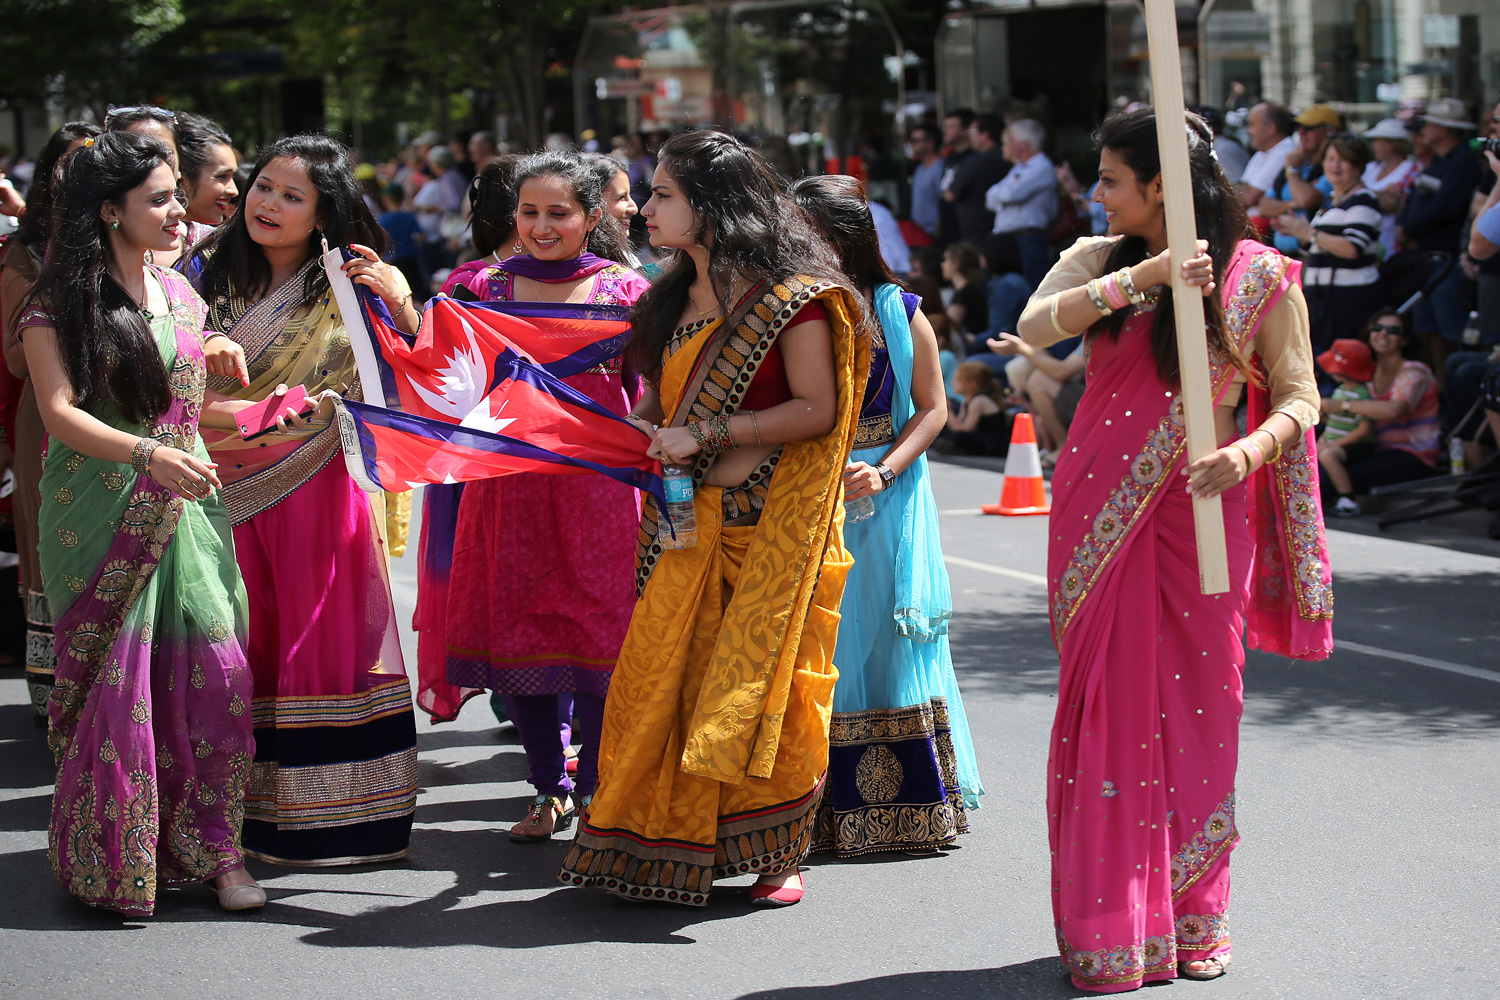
(1144, 746)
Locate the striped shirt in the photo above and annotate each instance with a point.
(1357, 219)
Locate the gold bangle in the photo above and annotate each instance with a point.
(1056, 326)
(1127, 285)
(755, 426)
(1250, 465)
(1275, 443)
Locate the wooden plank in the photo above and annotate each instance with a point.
(1192, 337)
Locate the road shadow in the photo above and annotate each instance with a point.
(1451, 616)
(1038, 979)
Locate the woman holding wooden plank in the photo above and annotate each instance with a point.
(1144, 746)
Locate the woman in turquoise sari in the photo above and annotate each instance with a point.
(901, 771)
(150, 716)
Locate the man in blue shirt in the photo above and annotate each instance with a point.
(1438, 203)
(1025, 199)
(1302, 189)
(926, 179)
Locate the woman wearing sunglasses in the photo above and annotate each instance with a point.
(1404, 405)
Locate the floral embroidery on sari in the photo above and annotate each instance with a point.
(1120, 964)
(1202, 931)
(1199, 854)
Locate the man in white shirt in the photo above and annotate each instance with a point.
(1270, 127)
(1025, 200)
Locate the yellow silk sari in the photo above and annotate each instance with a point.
(715, 736)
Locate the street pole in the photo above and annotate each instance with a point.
(1187, 302)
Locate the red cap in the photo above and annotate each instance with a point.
(1350, 359)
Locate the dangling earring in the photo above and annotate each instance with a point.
(114, 224)
(149, 258)
(518, 248)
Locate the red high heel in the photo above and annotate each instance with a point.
(783, 895)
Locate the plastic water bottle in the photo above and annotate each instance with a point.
(677, 484)
(1470, 336)
(1456, 455)
(859, 510)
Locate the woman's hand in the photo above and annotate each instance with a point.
(1197, 271)
(379, 277)
(1294, 226)
(1217, 471)
(289, 421)
(1008, 344)
(223, 357)
(861, 479)
(673, 446)
(179, 471)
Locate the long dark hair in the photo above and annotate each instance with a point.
(837, 207)
(1218, 215)
(235, 266)
(492, 199)
(196, 139)
(607, 239)
(607, 168)
(755, 230)
(107, 347)
(36, 224)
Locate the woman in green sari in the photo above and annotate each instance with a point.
(150, 716)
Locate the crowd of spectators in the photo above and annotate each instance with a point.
(1408, 204)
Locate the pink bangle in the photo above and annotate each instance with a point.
(1113, 293)
(1252, 451)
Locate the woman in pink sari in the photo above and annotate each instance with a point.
(335, 776)
(1144, 746)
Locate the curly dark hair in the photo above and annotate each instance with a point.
(749, 224)
(107, 347)
(1219, 218)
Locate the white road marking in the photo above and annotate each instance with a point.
(984, 567)
(1353, 647)
(1421, 661)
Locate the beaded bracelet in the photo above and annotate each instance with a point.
(1097, 297)
(1127, 285)
(1113, 293)
(718, 430)
(140, 455)
(705, 444)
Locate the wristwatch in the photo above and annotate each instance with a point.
(886, 475)
(1348, 406)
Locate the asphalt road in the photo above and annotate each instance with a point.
(1366, 800)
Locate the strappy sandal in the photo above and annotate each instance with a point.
(1218, 965)
(583, 808)
(562, 817)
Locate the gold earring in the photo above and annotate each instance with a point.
(518, 248)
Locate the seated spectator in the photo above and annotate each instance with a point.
(969, 306)
(980, 426)
(1342, 276)
(1302, 189)
(1404, 406)
(404, 230)
(1269, 127)
(950, 353)
(1389, 173)
(1049, 386)
(1006, 290)
(1346, 437)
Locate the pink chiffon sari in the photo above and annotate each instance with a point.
(1144, 747)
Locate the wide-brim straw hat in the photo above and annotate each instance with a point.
(1448, 112)
(1388, 128)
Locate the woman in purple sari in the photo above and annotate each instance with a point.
(150, 716)
(1140, 796)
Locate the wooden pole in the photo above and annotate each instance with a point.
(1187, 303)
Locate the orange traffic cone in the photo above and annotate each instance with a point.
(1024, 491)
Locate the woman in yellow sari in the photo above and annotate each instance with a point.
(715, 737)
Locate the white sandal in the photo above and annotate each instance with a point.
(1218, 965)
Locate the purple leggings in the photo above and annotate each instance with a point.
(542, 720)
